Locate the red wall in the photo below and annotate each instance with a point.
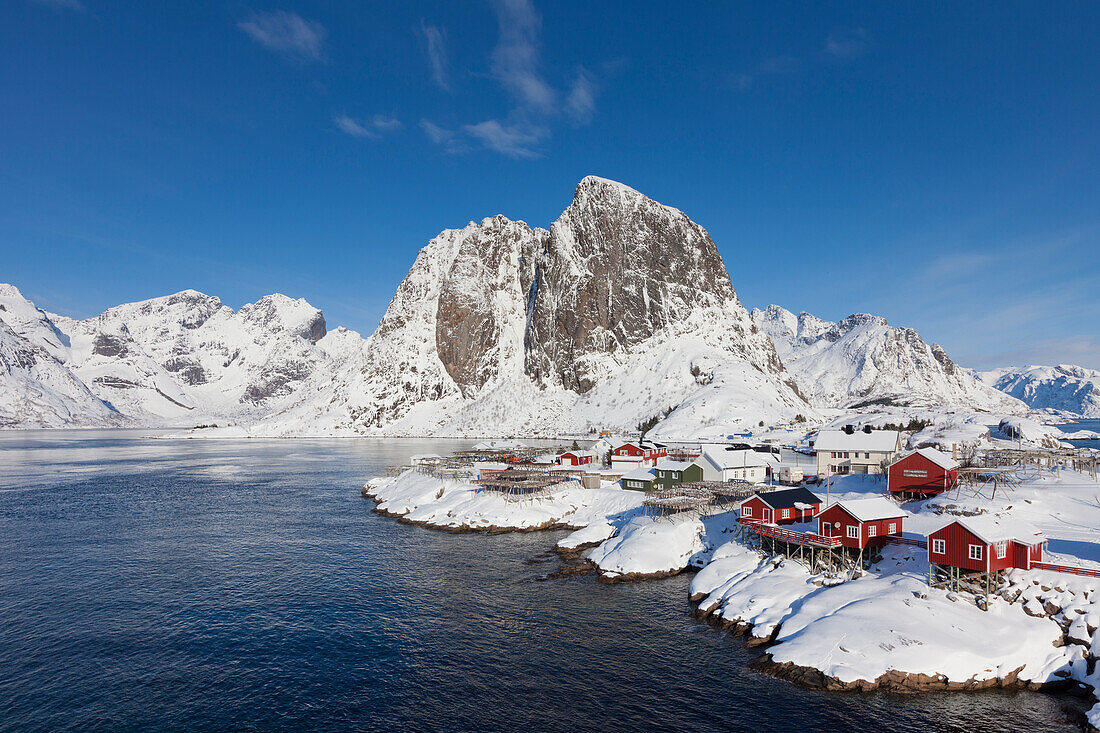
(835, 514)
(958, 541)
(572, 459)
(932, 482)
(775, 517)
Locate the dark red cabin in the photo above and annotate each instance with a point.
(984, 544)
(576, 458)
(789, 506)
(923, 472)
(861, 523)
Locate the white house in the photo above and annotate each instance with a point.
(854, 450)
(720, 464)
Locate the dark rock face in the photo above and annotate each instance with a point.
(108, 345)
(187, 368)
(480, 300)
(619, 267)
(317, 329)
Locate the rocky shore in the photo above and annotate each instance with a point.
(885, 630)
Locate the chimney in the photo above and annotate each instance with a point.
(848, 429)
(867, 429)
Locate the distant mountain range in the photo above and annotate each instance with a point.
(621, 312)
(1064, 387)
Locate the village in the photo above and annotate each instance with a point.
(834, 553)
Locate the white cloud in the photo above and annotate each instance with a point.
(515, 140)
(287, 33)
(846, 44)
(437, 54)
(516, 56)
(448, 139)
(536, 105)
(581, 102)
(373, 128)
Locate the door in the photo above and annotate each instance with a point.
(766, 515)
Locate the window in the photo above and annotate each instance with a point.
(1002, 549)
(939, 547)
(893, 528)
(872, 530)
(853, 531)
(746, 511)
(975, 552)
(786, 513)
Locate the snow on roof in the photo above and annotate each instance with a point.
(425, 457)
(872, 510)
(941, 459)
(639, 474)
(737, 458)
(878, 441)
(579, 453)
(787, 498)
(665, 464)
(990, 529)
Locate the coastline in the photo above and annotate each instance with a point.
(774, 604)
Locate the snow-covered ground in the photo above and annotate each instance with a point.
(882, 628)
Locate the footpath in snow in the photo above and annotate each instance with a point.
(883, 629)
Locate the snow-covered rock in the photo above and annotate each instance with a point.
(1064, 387)
(621, 311)
(864, 361)
(38, 391)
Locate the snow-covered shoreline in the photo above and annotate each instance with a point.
(885, 629)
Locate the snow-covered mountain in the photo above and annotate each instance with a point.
(621, 311)
(177, 360)
(36, 389)
(1063, 387)
(863, 361)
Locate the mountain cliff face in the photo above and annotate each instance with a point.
(1064, 387)
(621, 311)
(862, 360)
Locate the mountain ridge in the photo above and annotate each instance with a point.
(620, 311)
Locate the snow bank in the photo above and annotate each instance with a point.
(645, 547)
(424, 499)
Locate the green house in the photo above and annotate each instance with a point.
(640, 479)
(668, 473)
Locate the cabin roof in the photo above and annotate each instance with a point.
(870, 510)
(639, 474)
(990, 530)
(941, 459)
(787, 498)
(665, 464)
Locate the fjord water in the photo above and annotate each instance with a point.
(246, 585)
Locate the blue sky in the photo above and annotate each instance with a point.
(940, 168)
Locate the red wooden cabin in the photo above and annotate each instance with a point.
(861, 523)
(984, 544)
(633, 455)
(923, 472)
(576, 458)
(789, 506)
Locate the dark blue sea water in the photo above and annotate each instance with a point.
(1092, 424)
(246, 585)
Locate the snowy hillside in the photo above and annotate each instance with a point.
(177, 360)
(36, 389)
(1063, 387)
(863, 360)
